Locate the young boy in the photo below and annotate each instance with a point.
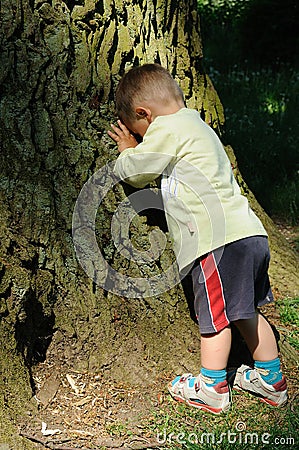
(230, 257)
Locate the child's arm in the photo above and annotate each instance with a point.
(122, 137)
(140, 163)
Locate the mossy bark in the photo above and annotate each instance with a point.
(60, 63)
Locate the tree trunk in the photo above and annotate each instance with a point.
(60, 63)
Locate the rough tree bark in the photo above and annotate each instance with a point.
(60, 62)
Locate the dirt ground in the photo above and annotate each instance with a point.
(85, 410)
(291, 233)
(80, 410)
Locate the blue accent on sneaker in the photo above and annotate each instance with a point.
(213, 399)
(175, 380)
(216, 376)
(247, 375)
(191, 382)
(272, 368)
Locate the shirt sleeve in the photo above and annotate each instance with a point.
(140, 165)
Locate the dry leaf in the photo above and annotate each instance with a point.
(83, 401)
(46, 432)
(71, 380)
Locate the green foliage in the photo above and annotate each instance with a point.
(269, 31)
(220, 19)
(262, 31)
(262, 126)
(259, 94)
(222, 11)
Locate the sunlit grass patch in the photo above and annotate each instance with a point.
(289, 316)
(249, 424)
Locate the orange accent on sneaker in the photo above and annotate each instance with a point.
(222, 387)
(280, 385)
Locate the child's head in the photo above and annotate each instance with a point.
(146, 85)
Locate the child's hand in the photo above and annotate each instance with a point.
(122, 137)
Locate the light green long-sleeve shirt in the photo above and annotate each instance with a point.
(203, 203)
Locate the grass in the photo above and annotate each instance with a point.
(289, 316)
(243, 427)
(260, 98)
(249, 424)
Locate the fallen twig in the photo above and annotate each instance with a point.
(71, 381)
(48, 444)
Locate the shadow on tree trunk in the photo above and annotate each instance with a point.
(33, 332)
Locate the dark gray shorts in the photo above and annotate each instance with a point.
(229, 283)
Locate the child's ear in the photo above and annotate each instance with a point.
(143, 113)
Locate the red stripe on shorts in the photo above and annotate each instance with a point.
(214, 291)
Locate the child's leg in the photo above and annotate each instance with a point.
(209, 390)
(215, 349)
(266, 379)
(259, 337)
(261, 342)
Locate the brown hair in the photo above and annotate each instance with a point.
(146, 82)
